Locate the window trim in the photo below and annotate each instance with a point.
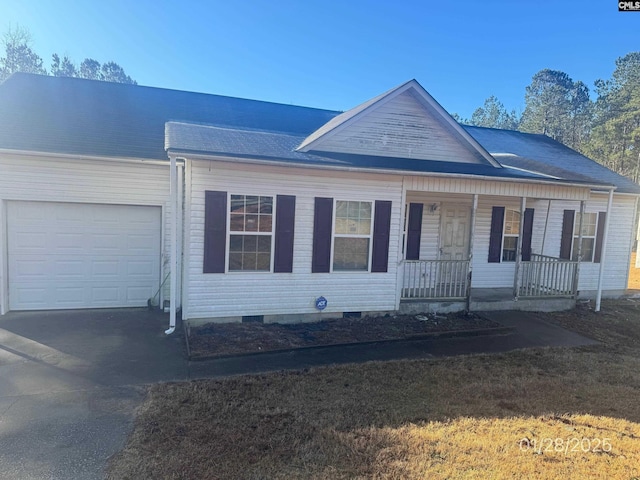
(230, 232)
(335, 235)
(575, 237)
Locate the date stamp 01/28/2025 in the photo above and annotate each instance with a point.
(565, 445)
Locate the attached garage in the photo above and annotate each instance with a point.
(82, 255)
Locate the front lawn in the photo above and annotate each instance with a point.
(540, 413)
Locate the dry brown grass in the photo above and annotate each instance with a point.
(471, 417)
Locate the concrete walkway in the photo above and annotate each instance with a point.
(70, 381)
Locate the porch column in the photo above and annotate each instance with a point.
(576, 272)
(604, 250)
(401, 246)
(472, 233)
(516, 277)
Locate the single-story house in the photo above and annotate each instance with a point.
(229, 209)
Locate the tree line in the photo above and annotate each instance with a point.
(606, 129)
(19, 56)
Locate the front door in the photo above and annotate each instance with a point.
(454, 249)
(454, 232)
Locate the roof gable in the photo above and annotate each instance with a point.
(404, 122)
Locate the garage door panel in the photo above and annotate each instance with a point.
(90, 256)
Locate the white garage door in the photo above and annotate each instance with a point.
(72, 255)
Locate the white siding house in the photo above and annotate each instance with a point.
(235, 209)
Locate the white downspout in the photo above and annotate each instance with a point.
(604, 250)
(173, 269)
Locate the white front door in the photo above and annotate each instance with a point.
(454, 232)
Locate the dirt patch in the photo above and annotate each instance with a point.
(215, 340)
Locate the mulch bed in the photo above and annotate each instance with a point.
(227, 339)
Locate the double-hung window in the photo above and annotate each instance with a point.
(352, 235)
(589, 228)
(250, 233)
(510, 235)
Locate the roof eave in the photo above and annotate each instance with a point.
(198, 155)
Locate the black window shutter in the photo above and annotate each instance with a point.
(215, 232)
(597, 252)
(414, 231)
(322, 219)
(285, 220)
(566, 240)
(381, 231)
(527, 228)
(495, 237)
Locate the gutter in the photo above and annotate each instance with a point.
(75, 156)
(173, 269)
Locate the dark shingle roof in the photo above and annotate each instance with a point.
(188, 138)
(543, 154)
(85, 117)
(76, 116)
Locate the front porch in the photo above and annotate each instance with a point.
(545, 284)
(491, 252)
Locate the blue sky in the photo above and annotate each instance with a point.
(336, 54)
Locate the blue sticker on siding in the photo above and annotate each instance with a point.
(321, 303)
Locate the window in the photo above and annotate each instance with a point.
(250, 233)
(589, 228)
(352, 236)
(510, 235)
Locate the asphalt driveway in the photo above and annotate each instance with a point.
(70, 381)
(69, 385)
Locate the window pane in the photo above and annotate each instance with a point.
(509, 248)
(237, 203)
(365, 209)
(251, 223)
(352, 226)
(265, 223)
(341, 225)
(266, 205)
(587, 249)
(341, 209)
(354, 210)
(512, 222)
(235, 243)
(264, 244)
(249, 261)
(364, 227)
(351, 253)
(252, 204)
(236, 223)
(263, 261)
(235, 261)
(250, 243)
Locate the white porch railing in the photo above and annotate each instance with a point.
(435, 279)
(546, 276)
